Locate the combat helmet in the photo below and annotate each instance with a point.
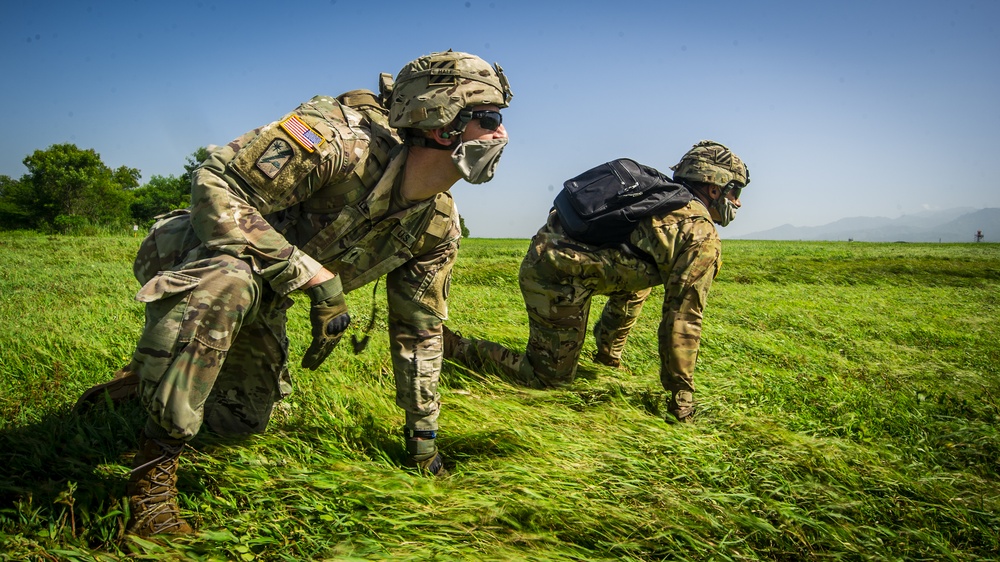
(711, 162)
(430, 91)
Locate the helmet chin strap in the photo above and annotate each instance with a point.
(428, 143)
(699, 191)
(721, 204)
(476, 159)
(460, 123)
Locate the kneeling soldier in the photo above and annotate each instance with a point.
(679, 249)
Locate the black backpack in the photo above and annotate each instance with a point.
(603, 205)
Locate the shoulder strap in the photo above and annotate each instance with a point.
(363, 100)
(383, 137)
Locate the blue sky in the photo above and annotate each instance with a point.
(840, 109)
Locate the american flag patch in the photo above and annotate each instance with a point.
(306, 137)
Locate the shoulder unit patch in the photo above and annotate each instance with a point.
(275, 156)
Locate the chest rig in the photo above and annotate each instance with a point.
(337, 205)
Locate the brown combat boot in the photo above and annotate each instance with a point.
(680, 407)
(124, 385)
(152, 489)
(608, 360)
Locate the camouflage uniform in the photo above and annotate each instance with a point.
(315, 199)
(679, 249)
(560, 275)
(216, 278)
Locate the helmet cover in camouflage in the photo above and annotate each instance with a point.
(430, 91)
(711, 162)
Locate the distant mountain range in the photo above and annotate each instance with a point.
(952, 225)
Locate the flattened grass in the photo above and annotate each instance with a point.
(848, 405)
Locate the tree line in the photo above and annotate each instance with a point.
(68, 189)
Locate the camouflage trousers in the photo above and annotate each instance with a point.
(558, 283)
(559, 276)
(213, 349)
(554, 344)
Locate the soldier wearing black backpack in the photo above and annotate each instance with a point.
(677, 247)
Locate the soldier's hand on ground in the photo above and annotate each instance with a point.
(329, 318)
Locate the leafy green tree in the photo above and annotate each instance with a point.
(193, 161)
(461, 224)
(159, 195)
(67, 188)
(165, 193)
(12, 215)
(65, 181)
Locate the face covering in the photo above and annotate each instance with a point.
(726, 209)
(477, 159)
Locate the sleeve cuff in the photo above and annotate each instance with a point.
(301, 268)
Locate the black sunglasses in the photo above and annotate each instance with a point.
(488, 119)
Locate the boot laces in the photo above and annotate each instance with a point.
(161, 476)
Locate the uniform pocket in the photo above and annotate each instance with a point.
(435, 280)
(165, 284)
(432, 293)
(166, 296)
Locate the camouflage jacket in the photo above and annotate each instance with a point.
(683, 254)
(688, 253)
(319, 186)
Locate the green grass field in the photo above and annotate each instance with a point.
(849, 398)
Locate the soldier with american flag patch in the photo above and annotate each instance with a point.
(328, 198)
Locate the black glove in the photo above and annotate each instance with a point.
(329, 319)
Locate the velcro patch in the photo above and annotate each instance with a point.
(275, 156)
(306, 137)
